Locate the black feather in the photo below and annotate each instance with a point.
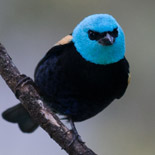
(77, 88)
(18, 114)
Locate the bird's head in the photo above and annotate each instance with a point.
(99, 39)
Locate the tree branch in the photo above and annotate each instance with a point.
(32, 101)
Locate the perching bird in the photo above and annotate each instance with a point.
(82, 74)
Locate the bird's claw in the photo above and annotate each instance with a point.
(23, 81)
(76, 136)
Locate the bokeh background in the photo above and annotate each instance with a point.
(127, 127)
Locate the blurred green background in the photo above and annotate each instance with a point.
(127, 127)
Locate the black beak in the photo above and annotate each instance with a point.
(107, 40)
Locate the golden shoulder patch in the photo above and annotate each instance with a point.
(64, 40)
(129, 78)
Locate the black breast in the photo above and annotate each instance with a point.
(78, 88)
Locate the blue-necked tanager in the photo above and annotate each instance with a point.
(81, 74)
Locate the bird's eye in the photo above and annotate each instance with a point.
(114, 33)
(92, 35)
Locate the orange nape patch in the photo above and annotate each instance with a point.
(64, 40)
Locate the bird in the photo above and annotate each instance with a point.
(81, 74)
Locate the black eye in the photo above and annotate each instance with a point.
(93, 35)
(114, 33)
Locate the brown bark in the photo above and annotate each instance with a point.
(31, 100)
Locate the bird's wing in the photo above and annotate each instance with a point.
(129, 78)
(56, 50)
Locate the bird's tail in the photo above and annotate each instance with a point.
(18, 114)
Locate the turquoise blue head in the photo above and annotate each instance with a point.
(99, 39)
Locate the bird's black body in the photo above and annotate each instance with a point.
(82, 74)
(78, 88)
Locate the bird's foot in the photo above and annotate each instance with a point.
(23, 81)
(76, 136)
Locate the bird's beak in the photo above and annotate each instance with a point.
(107, 40)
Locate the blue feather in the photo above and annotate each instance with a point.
(91, 50)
